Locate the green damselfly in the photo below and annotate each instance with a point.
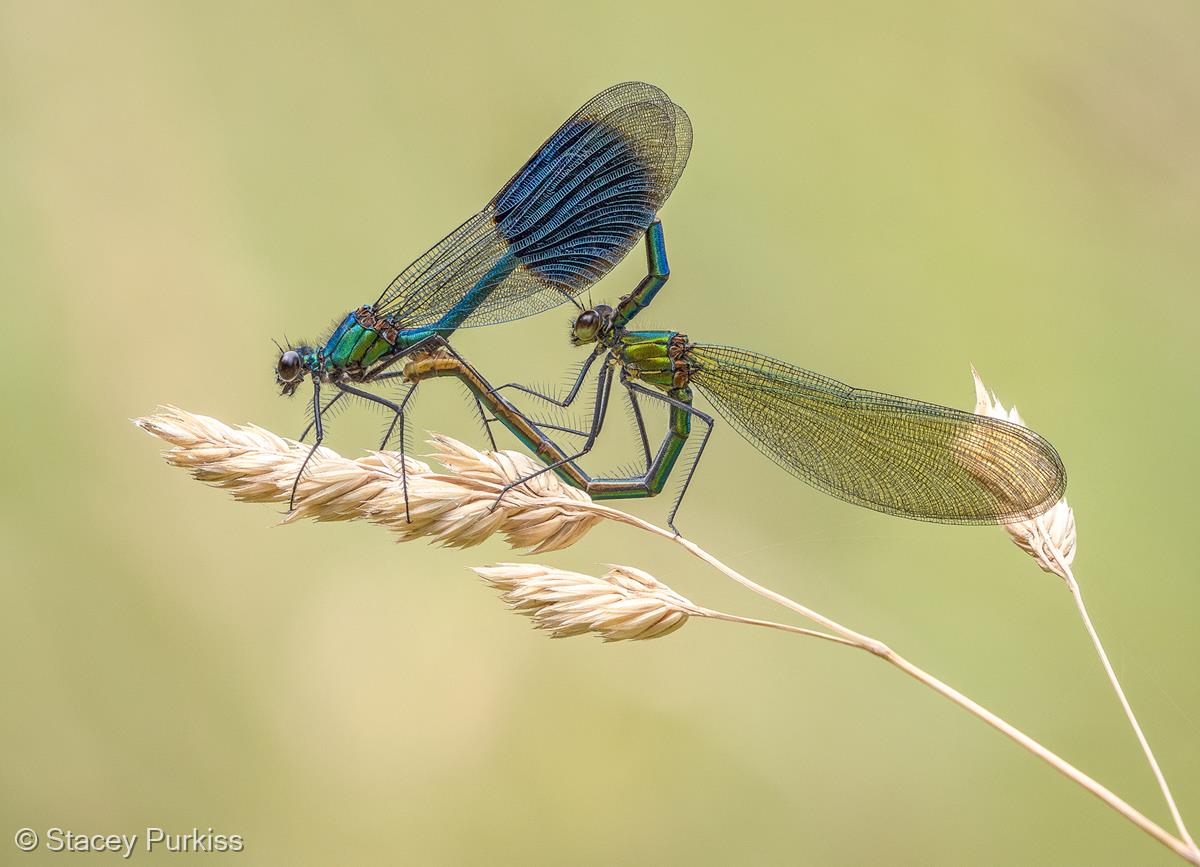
(892, 454)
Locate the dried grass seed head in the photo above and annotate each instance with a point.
(456, 508)
(1050, 538)
(625, 604)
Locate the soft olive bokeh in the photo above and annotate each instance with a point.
(881, 192)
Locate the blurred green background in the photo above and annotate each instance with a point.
(882, 192)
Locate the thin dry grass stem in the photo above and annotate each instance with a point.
(624, 604)
(458, 508)
(881, 650)
(1051, 540)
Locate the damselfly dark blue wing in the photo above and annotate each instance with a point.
(887, 453)
(572, 212)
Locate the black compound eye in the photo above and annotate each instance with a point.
(289, 366)
(587, 324)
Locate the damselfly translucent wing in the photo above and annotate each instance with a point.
(892, 454)
(572, 212)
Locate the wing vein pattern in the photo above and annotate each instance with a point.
(562, 222)
(892, 454)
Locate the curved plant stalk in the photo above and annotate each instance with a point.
(1077, 595)
(882, 651)
(1051, 540)
(625, 604)
(458, 508)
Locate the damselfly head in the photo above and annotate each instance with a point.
(591, 325)
(289, 371)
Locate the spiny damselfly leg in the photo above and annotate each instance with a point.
(442, 362)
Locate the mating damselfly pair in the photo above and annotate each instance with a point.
(585, 198)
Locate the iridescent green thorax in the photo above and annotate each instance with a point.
(362, 339)
(657, 358)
